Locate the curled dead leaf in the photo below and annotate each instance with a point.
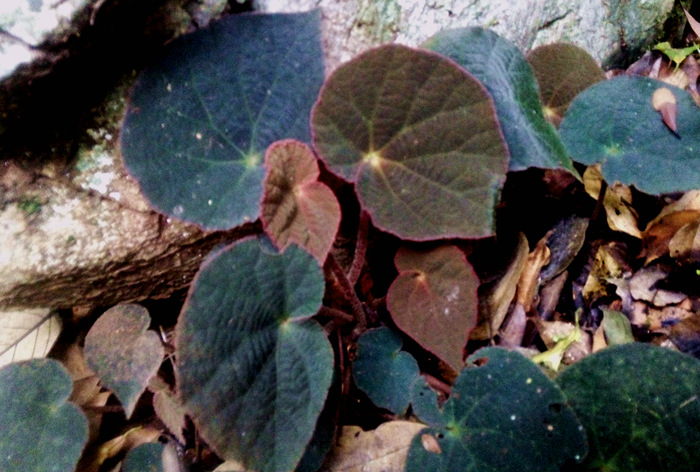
(430, 444)
(670, 220)
(497, 297)
(664, 102)
(383, 449)
(694, 25)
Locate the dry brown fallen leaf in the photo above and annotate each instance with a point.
(513, 331)
(644, 315)
(692, 71)
(617, 202)
(643, 287)
(609, 264)
(664, 102)
(94, 458)
(670, 219)
(528, 284)
(27, 334)
(685, 244)
(498, 297)
(381, 450)
(694, 25)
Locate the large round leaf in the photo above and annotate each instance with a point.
(507, 75)
(614, 123)
(39, 430)
(639, 404)
(503, 415)
(419, 138)
(200, 118)
(253, 369)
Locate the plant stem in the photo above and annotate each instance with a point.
(349, 292)
(358, 259)
(437, 384)
(338, 315)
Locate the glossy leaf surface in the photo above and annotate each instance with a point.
(615, 123)
(296, 207)
(434, 300)
(383, 371)
(419, 139)
(123, 353)
(253, 369)
(40, 430)
(639, 404)
(201, 118)
(504, 415)
(507, 75)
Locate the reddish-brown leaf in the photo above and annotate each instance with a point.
(434, 300)
(296, 207)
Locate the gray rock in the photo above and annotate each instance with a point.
(25, 24)
(601, 27)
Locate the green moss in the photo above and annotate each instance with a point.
(30, 205)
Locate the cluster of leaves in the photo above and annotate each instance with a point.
(406, 145)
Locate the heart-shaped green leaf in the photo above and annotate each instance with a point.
(614, 123)
(507, 75)
(562, 71)
(383, 371)
(640, 405)
(253, 369)
(297, 208)
(419, 138)
(434, 300)
(40, 431)
(200, 118)
(503, 415)
(123, 353)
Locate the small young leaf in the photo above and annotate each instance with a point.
(562, 71)
(383, 371)
(505, 72)
(419, 138)
(627, 137)
(27, 334)
(503, 415)
(640, 405)
(253, 369)
(434, 300)
(123, 352)
(296, 208)
(40, 430)
(617, 328)
(677, 56)
(201, 117)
